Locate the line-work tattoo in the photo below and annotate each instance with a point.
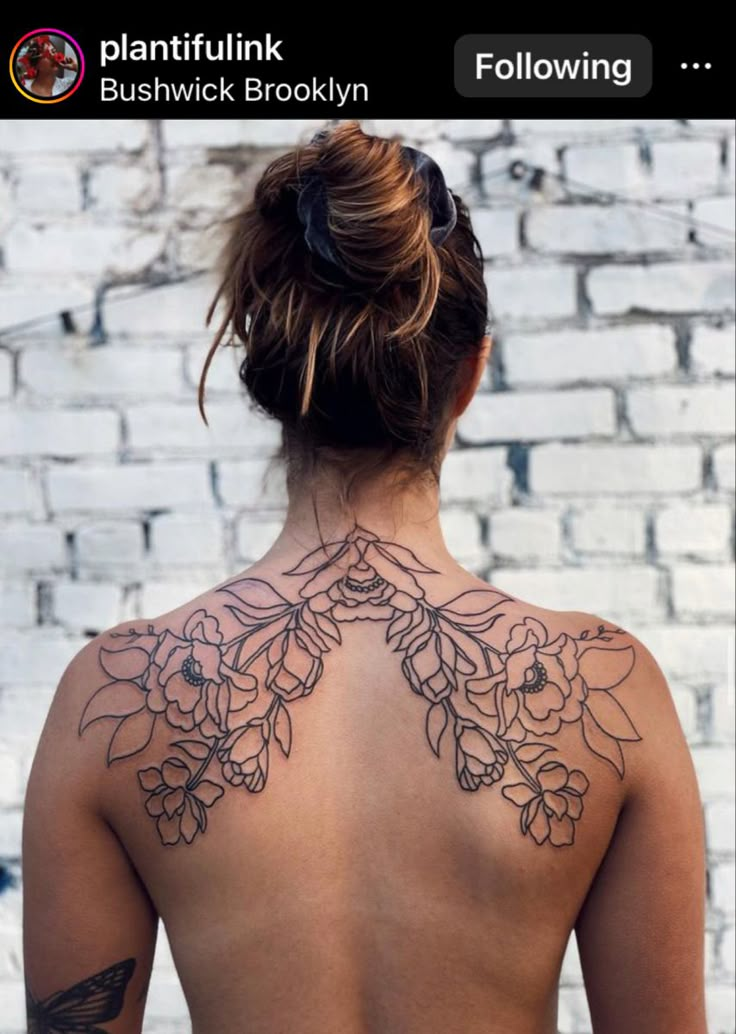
(518, 693)
(79, 1009)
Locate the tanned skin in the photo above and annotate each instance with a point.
(366, 792)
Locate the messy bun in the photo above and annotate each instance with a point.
(355, 318)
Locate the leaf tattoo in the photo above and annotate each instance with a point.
(80, 1008)
(211, 691)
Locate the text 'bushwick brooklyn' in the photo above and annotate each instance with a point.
(252, 89)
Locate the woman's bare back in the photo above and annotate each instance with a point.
(364, 795)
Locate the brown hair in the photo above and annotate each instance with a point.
(366, 356)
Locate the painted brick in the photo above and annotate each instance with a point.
(615, 167)
(114, 188)
(11, 953)
(681, 168)
(178, 540)
(535, 152)
(703, 590)
(601, 470)
(7, 375)
(237, 132)
(627, 594)
(601, 229)
(609, 531)
(19, 491)
(58, 432)
(6, 200)
(222, 376)
(526, 535)
(715, 770)
(32, 297)
(36, 657)
(419, 128)
(590, 128)
(723, 704)
(87, 606)
(254, 536)
(476, 475)
(456, 163)
(532, 292)
(698, 531)
(607, 354)
(462, 533)
(129, 487)
(471, 128)
(713, 350)
(197, 250)
(166, 999)
(678, 410)
(203, 187)
(48, 186)
(664, 287)
(82, 248)
(533, 416)
(572, 973)
(10, 788)
(18, 603)
(160, 597)
(234, 429)
(696, 653)
(252, 484)
(573, 1013)
(106, 372)
(179, 308)
(720, 826)
(105, 547)
(32, 547)
(497, 229)
(723, 882)
(719, 1008)
(724, 466)
(21, 136)
(13, 1005)
(718, 212)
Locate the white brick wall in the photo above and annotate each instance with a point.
(606, 354)
(595, 469)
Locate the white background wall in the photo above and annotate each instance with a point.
(595, 470)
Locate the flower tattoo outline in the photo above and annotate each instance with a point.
(519, 695)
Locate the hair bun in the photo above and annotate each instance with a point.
(355, 283)
(313, 204)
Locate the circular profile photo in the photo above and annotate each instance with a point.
(47, 65)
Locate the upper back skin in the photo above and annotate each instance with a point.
(318, 868)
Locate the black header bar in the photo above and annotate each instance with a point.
(362, 66)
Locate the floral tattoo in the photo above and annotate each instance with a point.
(229, 699)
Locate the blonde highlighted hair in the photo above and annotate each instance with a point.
(367, 354)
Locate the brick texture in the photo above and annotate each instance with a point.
(594, 470)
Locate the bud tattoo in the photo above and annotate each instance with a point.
(228, 701)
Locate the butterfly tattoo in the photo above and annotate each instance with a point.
(497, 687)
(80, 1008)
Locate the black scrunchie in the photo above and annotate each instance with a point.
(312, 206)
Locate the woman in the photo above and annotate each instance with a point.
(364, 790)
(44, 68)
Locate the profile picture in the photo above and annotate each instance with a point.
(47, 65)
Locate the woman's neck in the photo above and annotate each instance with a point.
(405, 514)
(44, 83)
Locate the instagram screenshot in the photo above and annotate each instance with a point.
(367, 514)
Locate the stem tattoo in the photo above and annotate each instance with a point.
(518, 691)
